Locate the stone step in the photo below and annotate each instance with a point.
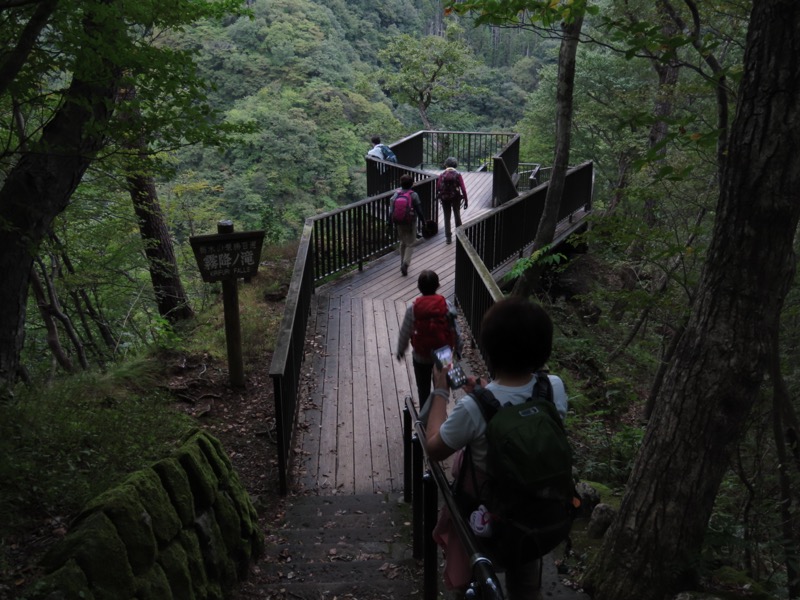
(326, 547)
(338, 542)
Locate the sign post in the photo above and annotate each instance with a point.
(226, 257)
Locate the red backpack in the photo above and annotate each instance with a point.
(403, 211)
(432, 327)
(449, 186)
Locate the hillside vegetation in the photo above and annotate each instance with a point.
(261, 112)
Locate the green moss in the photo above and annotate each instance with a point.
(219, 566)
(202, 479)
(153, 585)
(69, 582)
(194, 561)
(165, 521)
(216, 457)
(175, 563)
(229, 523)
(133, 524)
(101, 555)
(176, 484)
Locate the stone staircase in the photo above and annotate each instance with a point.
(339, 546)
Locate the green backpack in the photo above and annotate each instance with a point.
(530, 491)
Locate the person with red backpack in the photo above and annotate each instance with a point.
(404, 210)
(452, 193)
(429, 324)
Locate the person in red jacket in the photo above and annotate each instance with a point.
(429, 324)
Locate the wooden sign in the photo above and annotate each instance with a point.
(224, 256)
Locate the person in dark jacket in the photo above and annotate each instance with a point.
(452, 195)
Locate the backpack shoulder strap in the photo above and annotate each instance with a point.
(487, 403)
(544, 389)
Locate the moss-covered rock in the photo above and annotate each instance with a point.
(166, 523)
(194, 561)
(67, 583)
(202, 479)
(175, 563)
(220, 451)
(176, 484)
(133, 524)
(229, 522)
(153, 585)
(97, 549)
(216, 457)
(219, 566)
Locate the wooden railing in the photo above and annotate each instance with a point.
(502, 236)
(288, 356)
(420, 490)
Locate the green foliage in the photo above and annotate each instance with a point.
(425, 71)
(63, 443)
(543, 257)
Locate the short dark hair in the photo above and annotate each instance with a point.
(406, 181)
(517, 336)
(450, 161)
(376, 139)
(428, 282)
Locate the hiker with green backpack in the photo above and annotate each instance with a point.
(513, 464)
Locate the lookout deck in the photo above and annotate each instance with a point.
(350, 419)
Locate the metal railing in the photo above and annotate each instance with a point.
(421, 490)
(474, 151)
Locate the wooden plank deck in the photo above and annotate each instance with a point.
(349, 438)
(349, 435)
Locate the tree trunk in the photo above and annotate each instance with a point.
(171, 298)
(39, 187)
(564, 103)
(710, 388)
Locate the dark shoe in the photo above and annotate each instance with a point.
(404, 269)
(448, 241)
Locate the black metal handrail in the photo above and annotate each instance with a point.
(420, 490)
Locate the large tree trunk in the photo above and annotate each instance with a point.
(38, 188)
(712, 385)
(555, 190)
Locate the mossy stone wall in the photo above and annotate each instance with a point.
(183, 528)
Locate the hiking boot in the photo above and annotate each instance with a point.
(404, 269)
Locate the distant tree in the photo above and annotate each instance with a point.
(424, 71)
(711, 386)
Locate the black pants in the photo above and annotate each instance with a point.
(423, 374)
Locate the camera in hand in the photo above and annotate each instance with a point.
(444, 358)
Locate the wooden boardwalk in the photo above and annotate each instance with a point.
(349, 435)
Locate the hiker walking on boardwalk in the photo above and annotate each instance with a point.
(516, 336)
(429, 324)
(451, 192)
(404, 210)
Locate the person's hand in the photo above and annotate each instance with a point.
(440, 377)
(465, 206)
